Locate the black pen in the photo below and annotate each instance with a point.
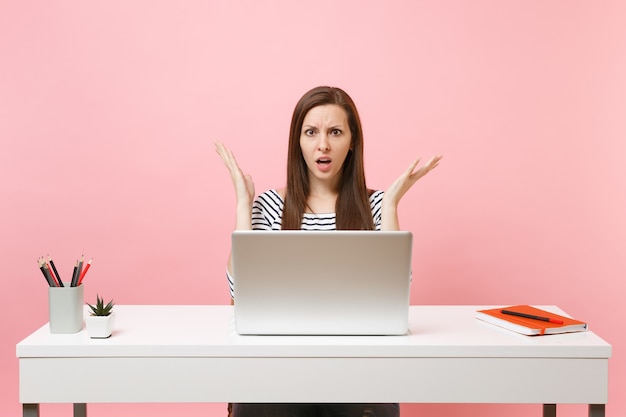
(74, 275)
(530, 316)
(43, 271)
(54, 269)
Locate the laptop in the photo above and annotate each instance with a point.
(296, 282)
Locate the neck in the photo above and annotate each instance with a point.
(323, 188)
(321, 199)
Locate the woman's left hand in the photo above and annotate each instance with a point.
(404, 182)
(398, 189)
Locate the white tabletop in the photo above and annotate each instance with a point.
(208, 331)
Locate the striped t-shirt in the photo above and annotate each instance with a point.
(267, 212)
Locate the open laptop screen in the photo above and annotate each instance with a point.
(321, 282)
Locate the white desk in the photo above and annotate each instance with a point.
(192, 354)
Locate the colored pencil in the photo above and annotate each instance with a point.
(82, 275)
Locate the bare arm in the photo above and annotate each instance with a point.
(244, 191)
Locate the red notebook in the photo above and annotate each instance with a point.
(539, 325)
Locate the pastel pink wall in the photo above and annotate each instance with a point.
(108, 110)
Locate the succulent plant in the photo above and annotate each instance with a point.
(100, 309)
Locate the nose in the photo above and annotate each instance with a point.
(324, 144)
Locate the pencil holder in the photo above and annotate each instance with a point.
(65, 305)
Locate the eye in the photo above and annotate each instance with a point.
(309, 132)
(336, 132)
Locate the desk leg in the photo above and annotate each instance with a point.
(549, 410)
(30, 410)
(80, 410)
(596, 410)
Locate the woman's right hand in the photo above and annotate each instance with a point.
(244, 186)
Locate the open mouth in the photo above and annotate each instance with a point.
(323, 161)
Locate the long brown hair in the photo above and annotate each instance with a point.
(352, 207)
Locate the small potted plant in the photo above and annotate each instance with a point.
(101, 319)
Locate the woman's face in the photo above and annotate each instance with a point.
(325, 140)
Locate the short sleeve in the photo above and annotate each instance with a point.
(376, 203)
(267, 211)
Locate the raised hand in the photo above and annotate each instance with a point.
(244, 186)
(399, 188)
(404, 182)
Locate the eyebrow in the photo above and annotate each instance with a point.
(337, 126)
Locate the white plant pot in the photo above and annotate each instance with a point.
(100, 327)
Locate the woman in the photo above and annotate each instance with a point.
(326, 190)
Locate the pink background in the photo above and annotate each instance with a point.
(108, 110)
